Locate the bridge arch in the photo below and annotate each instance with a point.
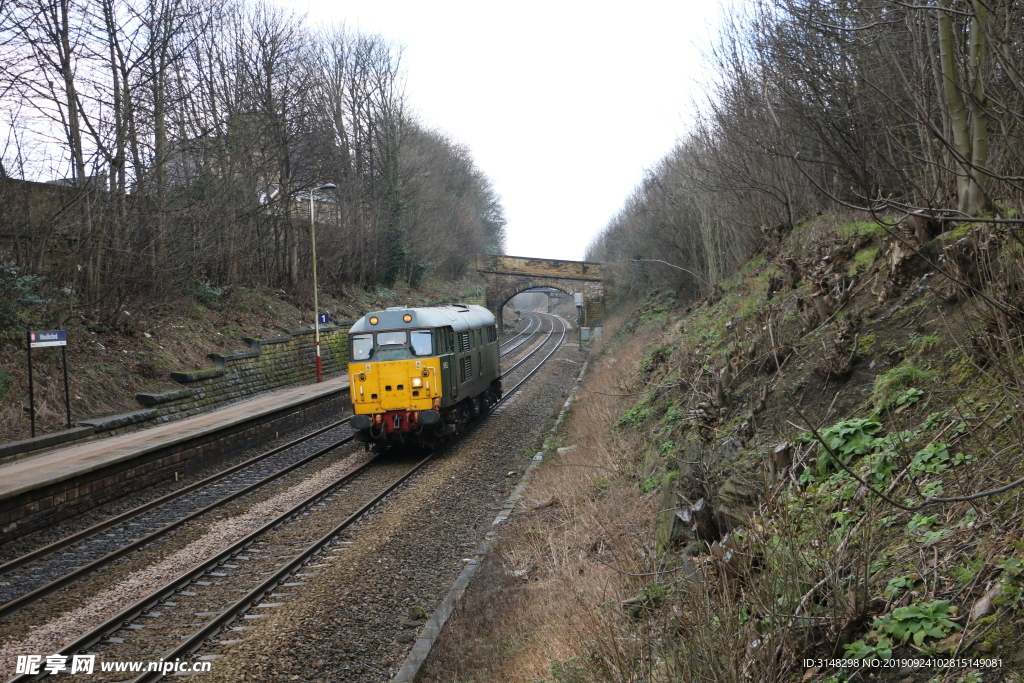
(507, 276)
(533, 288)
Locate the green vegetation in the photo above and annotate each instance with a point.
(210, 296)
(866, 344)
(907, 399)
(895, 586)
(19, 295)
(657, 481)
(923, 343)
(847, 439)
(567, 671)
(635, 416)
(890, 385)
(865, 228)
(914, 623)
(863, 260)
(935, 459)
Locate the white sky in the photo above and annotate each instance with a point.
(563, 104)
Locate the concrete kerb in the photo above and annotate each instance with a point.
(432, 629)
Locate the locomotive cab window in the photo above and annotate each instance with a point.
(422, 343)
(391, 338)
(362, 346)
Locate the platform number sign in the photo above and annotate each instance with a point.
(323, 318)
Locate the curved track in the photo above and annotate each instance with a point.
(533, 319)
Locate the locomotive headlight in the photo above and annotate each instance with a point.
(373, 320)
(417, 382)
(407, 318)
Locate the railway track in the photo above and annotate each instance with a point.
(507, 345)
(264, 560)
(35, 575)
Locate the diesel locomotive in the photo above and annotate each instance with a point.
(420, 375)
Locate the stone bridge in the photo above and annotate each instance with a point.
(507, 276)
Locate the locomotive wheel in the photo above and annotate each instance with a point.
(465, 415)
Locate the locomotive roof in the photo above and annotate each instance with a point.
(460, 317)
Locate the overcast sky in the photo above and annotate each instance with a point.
(562, 104)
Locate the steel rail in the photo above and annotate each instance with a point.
(530, 374)
(127, 615)
(196, 641)
(77, 574)
(125, 516)
(527, 331)
(535, 349)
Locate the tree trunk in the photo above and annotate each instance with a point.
(969, 127)
(979, 116)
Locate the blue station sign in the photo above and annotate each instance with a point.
(47, 338)
(323, 318)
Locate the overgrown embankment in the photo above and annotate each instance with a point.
(812, 462)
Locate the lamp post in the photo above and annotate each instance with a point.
(316, 290)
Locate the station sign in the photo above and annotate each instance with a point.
(323, 318)
(47, 338)
(37, 339)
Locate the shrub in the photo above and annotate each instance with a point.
(18, 292)
(206, 294)
(847, 439)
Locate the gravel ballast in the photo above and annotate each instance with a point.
(354, 622)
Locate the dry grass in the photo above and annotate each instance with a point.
(817, 554)
(546, 605)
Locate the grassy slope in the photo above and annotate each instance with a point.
(107, 366)
(910, 383)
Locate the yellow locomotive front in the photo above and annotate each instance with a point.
(397, 385)
(394, 377)
(416, 373)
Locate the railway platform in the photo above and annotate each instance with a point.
(42, 489)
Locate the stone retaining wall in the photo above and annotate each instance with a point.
(267, 364)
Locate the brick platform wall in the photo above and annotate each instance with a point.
(46, 506)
